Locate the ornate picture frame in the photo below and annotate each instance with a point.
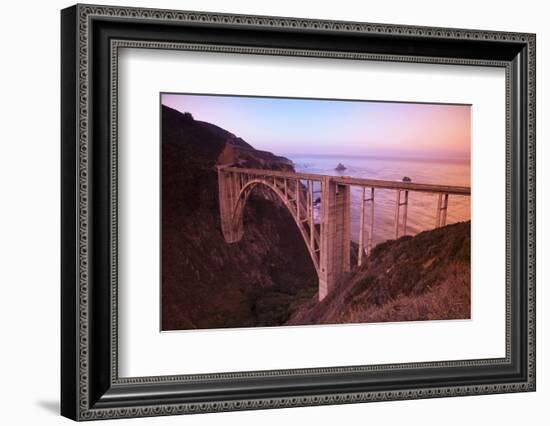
(91, 38)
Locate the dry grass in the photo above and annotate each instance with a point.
(449, 299)
(426, 277)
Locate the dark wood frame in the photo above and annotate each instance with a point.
(90, 386)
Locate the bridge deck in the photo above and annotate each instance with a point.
(348, 180)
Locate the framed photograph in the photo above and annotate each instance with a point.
(263, 212)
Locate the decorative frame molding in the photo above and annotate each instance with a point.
(91, 388)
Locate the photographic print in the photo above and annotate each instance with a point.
(293, 211)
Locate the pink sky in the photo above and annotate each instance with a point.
(304, 126)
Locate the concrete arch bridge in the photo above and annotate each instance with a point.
(328, 242)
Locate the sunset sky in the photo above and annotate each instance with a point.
(310, 126)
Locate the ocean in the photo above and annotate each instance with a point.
(422, 207)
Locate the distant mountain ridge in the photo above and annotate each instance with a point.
(217, 144)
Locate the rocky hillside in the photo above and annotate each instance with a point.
(425, 277)
(207, 283)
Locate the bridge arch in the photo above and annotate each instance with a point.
(237, 213)
(328, 244)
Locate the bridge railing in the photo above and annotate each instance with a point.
(353, 181)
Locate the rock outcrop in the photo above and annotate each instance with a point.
(340, 167)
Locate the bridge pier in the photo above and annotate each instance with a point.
(229, 188)
(335, 235)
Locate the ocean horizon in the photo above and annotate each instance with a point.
(408, 157)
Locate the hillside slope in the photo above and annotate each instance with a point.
(425, 277)
(207, 283)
